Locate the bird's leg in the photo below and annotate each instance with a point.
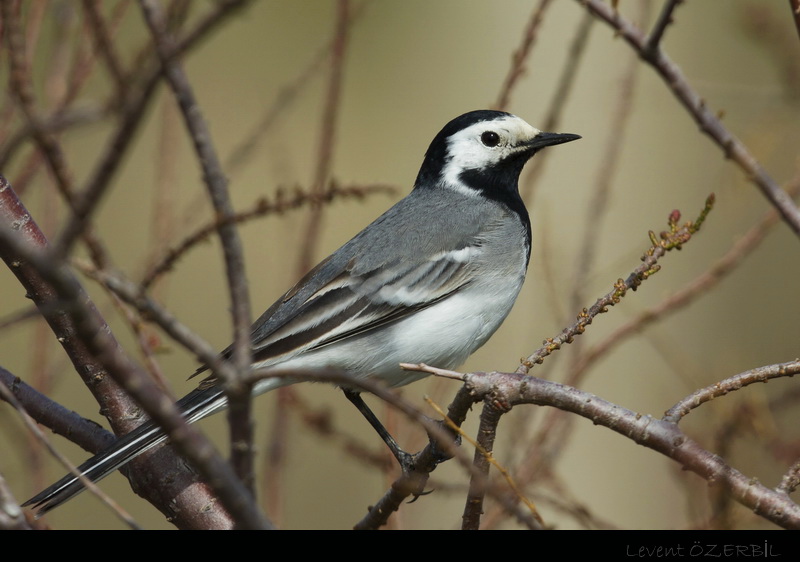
(406, 460)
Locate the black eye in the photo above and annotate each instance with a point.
(490, 139)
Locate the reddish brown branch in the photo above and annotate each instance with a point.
(101, 362)
(104, 46)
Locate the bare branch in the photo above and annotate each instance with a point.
(60, 420)
(96, 354)
(263, 207)
(597, 209)
(721, 388)
(287, 96)
(665, 19)
(238, 392)
(327, 134)
(675, 238)
(520, 56)
(105, 46)
(490, 417)
(724, 266)
(132, 109)
(10, 396)
(664, 437)
(558, 101)
(696, 106)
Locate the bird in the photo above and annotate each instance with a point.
(429, 281)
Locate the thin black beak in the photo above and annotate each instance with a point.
(549, 139)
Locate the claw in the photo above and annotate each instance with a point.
(417, 496)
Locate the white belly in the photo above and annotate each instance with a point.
(443, 335)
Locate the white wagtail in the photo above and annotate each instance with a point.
(428, 282)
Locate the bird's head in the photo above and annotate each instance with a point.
(483, 151)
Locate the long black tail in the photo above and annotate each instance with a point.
(195, 405)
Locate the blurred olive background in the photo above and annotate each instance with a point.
(410, 67)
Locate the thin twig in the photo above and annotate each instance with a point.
(131, 115)
(424, 462)
(487, 431)
(65, 119)
(665, 19)
(22, 88)
(520, 56)
(702, 284)
(132, 294)
(721, 388)
(313, 226)
(675, 238)
(263, 207)
(137, 383)
(86, 434)
(696, 106)
(479, 478)
(288, 95)
(441, 439)
(104, 45)
(238, 392)
(664, 437)
(558, 102)
(327, 134)
(165, 194)
(596, 210)
(103, 365)
(553, 430)
(7, 395)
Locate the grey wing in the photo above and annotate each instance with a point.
(359, 288)
(351, 303)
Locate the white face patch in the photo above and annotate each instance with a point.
(466, 149)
